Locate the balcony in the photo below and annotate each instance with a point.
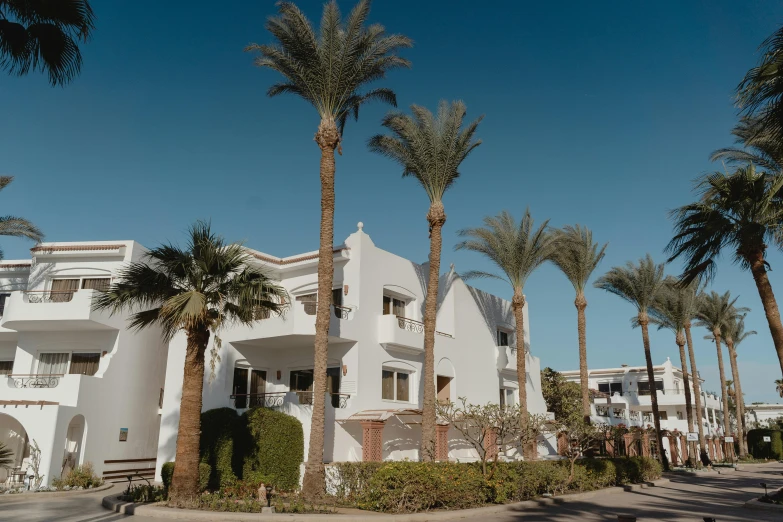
(56, 311)
(665, 397)
(279, 399)
(406, 335)
(31, 389)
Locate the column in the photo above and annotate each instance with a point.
(372, 441)
(673, 450)
(442, 442)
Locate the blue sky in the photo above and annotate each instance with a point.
(599, 114)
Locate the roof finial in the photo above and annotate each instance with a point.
(451, 267)
(360, 225)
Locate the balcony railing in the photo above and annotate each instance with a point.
(258, 400)
(49, 296)
(647, 392)
(415, 326)
(35, 381)
(338, 400)
(340, 312)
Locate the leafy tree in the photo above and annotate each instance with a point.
(740, 212)
(431, 148)
(563, 398)
(44, 35)
(577, 257)
(199, 289)
(516, 250)
(330, 70)
(581, 437)
(16, 226)
(639, 285)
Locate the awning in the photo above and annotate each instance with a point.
(383, 415)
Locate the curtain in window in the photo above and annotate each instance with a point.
(402, 386)
(52, 363)
(386, 305)
(387, 385)
(101, 284)
(399, 308)
(85, 363)
(6, 367)
(63, 289)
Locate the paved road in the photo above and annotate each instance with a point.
(683, 499)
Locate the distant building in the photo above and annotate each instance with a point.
(760, 415)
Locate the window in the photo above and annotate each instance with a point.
(6, 367)
(602, 411)
(76, 363)
(3, 297)
(679, 415)
(662, 415)
(502, 337)
(393, 306)
(85, 363)
(395, 385)
(302, 381)
(62, 290)
(618, 413)
(96, 283)
(53, 363)
(610, 387)
(249, 387)
(506, 397)
(644, 387)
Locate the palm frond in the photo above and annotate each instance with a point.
(636, 283)
(576, 255)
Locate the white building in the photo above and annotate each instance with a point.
(86, 388)
(624, 398)
(761, 415)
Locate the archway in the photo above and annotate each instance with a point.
(14, 437)
(74, 442)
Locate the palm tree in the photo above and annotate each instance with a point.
(36, 35)
(198, 290)
(516, 250)
(779, 387)
(758, 147)
(733, 335)
(6, 455)
(639, 284)
(16, 226)
(673, 307)
(330, 71)
(759, 93)
(740, 212)
(715, 313)
(430, 148)
(577, 257)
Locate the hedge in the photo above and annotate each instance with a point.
(405, 487)
(760, 449)
(273, 448)
(204, 471)
(218, 430)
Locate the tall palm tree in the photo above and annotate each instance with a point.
(639, 285)
(673, 307)
(715, 313)
(779, 387)
(698, 295)
(330, 70)
(759, 93)
(36, 35)
(16, 226)
(199, 289)
(516, 250)
(577, 257)
(733, 336)
(740, 212)
(758, 147)
(430, 148)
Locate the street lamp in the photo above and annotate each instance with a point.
(30, 478)
(764, 485)
(269, 496)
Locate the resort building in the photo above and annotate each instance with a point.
(762, 415)
(82, 387)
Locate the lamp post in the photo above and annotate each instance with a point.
(269, 496)
(764, 485)
(30, 478)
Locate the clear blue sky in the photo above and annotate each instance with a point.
(600, 114)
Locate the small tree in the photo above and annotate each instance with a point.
(561, 396)
(581, 437)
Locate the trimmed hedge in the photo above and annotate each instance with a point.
(204, 471)
(274, 448)
(218, 431)
(406, 487)
(760, 449)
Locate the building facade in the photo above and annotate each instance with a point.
(760, 415)
(83, 387)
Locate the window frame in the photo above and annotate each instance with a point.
(504, 331)
(392, 298)
(11, 371)
(70, 360)
(395, 372)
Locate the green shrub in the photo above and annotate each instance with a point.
(409, 487)
(273, 448)
(634, 470)
(79, 477)
(350, 478)
(762, 450)
(218, 431)
(204, 472)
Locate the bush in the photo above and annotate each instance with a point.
(760, 449)
(408, 487)
(347, 480)
(273, 448)
(79, 477)
(204, 472)
(634, 470)
(218, 431)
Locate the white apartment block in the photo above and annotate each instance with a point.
(623, 397)
(86, 388)
(761, 415)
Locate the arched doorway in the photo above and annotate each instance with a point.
(74, 441)
(14, 437)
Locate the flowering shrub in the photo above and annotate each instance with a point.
(80, 477)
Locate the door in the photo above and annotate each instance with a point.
(257, 387)
(333, 385)
(444, 389)
(240, 388)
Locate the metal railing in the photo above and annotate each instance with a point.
(338, 400)
(340, 312)
(258, 400)
(49, 296)
(415, 326)
(35, 381)
(647, 392)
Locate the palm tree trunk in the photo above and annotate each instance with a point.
(696, 389)
(518, 306)
(581, 303)
(184, 483)
(738, 390)
(737, 395)
(723, 393)
(686, 383)
(436, 218)
(643, 322)
(759, 271)
(314, 482)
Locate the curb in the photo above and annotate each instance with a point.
(762, 506)
(112, 503)
(51, 494)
